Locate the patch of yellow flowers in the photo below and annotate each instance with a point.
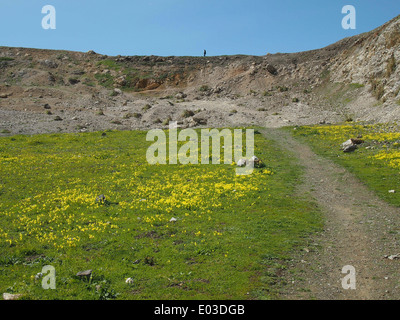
(68, 216)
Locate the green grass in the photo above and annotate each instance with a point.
(232, 238)
(380, 175)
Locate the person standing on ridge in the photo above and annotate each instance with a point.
(205, 52)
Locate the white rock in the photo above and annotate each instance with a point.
(129, 281)
(347, 143)
(173, 220)
(241, 162)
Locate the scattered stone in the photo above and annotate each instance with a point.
(241, 162)
(49, 64)
(350, 148)
(101, 198)
(85, 274)
(392, 191)
(129, 281)
(393, 257)
(347, 144)
(173, 220)
(117, 91)
(47, 106)
(180, 96)
(38, 276)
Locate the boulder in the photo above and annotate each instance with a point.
(350, 148)
(241, 162)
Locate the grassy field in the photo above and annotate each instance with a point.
(376, 162)
(230, 240)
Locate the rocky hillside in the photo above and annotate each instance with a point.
(355, 79)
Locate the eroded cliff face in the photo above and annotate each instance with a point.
(355, 79)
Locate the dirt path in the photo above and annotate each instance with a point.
(359, 230)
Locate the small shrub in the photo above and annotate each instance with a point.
(100, 113)
(262, 109)
(204, 88)
(116, 122)
(57, 118)
(233, 111)
(157, 121)
(146, 107)
(349, 119)
(187, 113)
(167, 121)
(295, 100)
(391, 66)
(356, 85)
(282, 88)
(377, 89)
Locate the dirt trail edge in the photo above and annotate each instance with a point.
(359, 230)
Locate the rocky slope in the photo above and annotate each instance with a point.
(60, 91)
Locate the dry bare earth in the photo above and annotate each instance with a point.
(357, 77)
(360, 230)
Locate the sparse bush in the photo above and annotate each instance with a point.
(100, 113)
(295, 100)
(234, 111)
(167, 121)
(116, 122)
(349, 118)
(282, 88)
(57, 118)
(187, 113)
(377, 89)
(267, 94)
(157, 121)
(262, 109)
(204, 88)
(356, 85)
(391, 66)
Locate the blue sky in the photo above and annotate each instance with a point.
(186, 27)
